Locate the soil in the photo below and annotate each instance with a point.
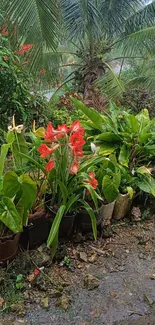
(124, 293)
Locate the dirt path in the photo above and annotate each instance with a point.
(123, 265)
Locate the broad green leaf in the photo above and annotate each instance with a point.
(98, 120)
(106, 149)
(29, 191)
(10, 137)
(55, 225)
(32, 160)
(9, 215)
(143, 170)
(40, 132)
(144, 137)
(11, 184)
(147, 184)
(20, 145)
(109, 189)
(132, 123)
(3, 154)
(124, 155)
(107, 137)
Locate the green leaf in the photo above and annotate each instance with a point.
(11, 184)
(3, 154)
(74, 198)
(124, 155)
(93, 195)
(10, 137)
(20, 145)
(63, 191)
(98, 120)
(107, 137)
(109, 188)
(147, 184)
(107, 149)
(55, 225)
(29, 191)
(130, 191)
(9, 215)
(87, 207)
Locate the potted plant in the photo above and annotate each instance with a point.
(17, 195)
(68, 182)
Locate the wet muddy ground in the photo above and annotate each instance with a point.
(122, 290)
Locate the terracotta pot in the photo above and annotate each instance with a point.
(122, 206)
(107, 212)
(9, 247)
(83, 220)
(37, 230)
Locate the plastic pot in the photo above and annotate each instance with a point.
(37, 230)
(67, 223)
(8, 247)
(83, 220)
(107, 212)
(122, 206)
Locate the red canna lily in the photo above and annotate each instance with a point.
(63, 128)
(74, 168)
(76, 127)
(77, 151)
(92, 181)
(76, 143)
(45, 150)
(50, 165)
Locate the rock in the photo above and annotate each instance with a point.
(152, 277)
(121, 268)
(136, 214)
(113, 294)
(92, 258)
(148, 300)
(83, 257)
(54, 293)
(2, 301)
(63, 302)
(91, 282)
(45, 303)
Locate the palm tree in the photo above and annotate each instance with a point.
(98, 32)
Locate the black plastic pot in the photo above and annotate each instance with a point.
(83, 220)
(66, 228)
(8, 247)
(37, 230)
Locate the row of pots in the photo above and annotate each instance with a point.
(39, 226)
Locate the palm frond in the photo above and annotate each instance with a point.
(110, 84)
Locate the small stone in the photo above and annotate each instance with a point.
(113, 294)
(141, 256)
(79, 266)
(92, 258)
(63, 302)
(91, 282)
(2, 301)
(127, 251)
(136, 214)
(121, 268)
(45, 303)
(148, 300)
(152, 277)
(83, 257)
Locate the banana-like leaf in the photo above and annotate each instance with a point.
(98, 120)
(110, 188)
(124, 155)
(147, 184)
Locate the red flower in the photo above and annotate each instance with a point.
(63, 128)
(50, 133)
(24, 48)
(76, 127)
(45, 150)
(92, 181)
(50, 165)
(36, 272)
(42, 71)
(4, 31)
(5, 58)
(74, 168)
(76, 143)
